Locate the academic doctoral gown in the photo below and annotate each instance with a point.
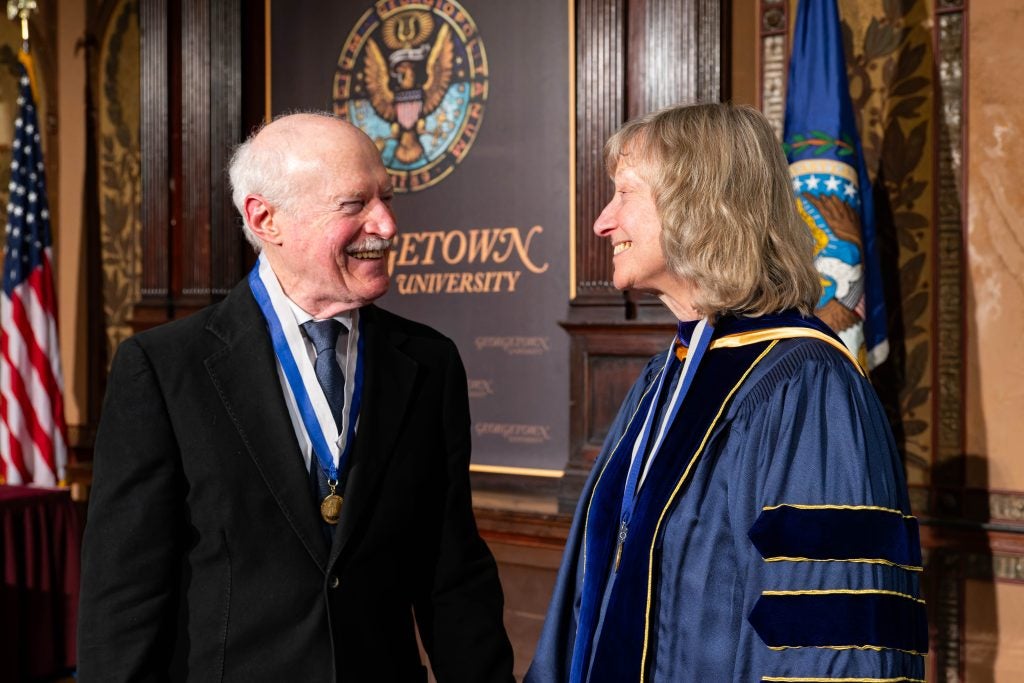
(773, 534)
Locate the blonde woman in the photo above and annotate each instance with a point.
(748, 517)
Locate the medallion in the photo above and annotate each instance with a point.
(330, 508)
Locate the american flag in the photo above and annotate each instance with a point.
(33, 436)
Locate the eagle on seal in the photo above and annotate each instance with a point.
(409, 84)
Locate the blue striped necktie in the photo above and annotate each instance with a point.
(324, 335)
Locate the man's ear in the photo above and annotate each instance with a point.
(259, 214)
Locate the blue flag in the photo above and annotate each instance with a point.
(831, 183)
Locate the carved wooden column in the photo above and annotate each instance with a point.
(600, 107)
(632, 57)
(192, 116)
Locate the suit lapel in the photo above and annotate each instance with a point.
(387, 389)
(245, 374)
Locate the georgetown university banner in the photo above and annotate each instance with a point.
(469, 103)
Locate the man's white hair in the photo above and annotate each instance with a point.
(273, 172)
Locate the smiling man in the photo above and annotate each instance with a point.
(280, 487)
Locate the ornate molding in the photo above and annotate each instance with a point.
(949, 234)
(1007, 507)
(945, 605)
(994, 567)
(773, 28)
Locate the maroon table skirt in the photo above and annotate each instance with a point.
(40, 537)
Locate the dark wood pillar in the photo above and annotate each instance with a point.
(192, 116)
(632, 57)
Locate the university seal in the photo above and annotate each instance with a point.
(413, 76)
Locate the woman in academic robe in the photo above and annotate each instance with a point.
(748, 518)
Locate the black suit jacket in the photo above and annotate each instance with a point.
(203, 557)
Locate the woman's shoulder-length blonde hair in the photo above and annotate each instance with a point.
(722, 190)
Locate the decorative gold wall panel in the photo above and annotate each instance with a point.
(890, 66)
(120, 183)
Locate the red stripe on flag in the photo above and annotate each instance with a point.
(38, 434)
(13, 444)
(40, 362)
(41, 282)
(16, 454)
(38, 355)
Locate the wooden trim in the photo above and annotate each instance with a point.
(600, 98)
(155, 147)
(193, 236)
(226, 87)
(529, 529)
(193, 75)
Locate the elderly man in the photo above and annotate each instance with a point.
(281, 480)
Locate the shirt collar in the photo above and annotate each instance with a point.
(301, 316)
(278, 296)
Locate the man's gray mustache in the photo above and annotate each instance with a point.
(369, 244)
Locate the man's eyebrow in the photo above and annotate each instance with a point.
(354, 195)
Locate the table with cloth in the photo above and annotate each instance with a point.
(40, 535)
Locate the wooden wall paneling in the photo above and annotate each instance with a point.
(254, 81)
(606, 358)
(600, 110)
(674, 54)
(192, 75)
(226, 130)
(155, 144)
(193, 236)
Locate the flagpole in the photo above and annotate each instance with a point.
(22, 10)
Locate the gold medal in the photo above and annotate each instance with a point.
(330, 508)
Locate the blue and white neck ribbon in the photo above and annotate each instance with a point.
(330, 445)
(699, 342)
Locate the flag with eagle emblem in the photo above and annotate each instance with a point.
(833, 190)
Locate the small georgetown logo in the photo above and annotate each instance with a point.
(413, 76)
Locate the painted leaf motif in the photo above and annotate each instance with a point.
(915, 305)
(908, 220)
(917, 362)
(910, 86)
(918, 397)
(909, 61)
(910, 273)
(914, 427)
